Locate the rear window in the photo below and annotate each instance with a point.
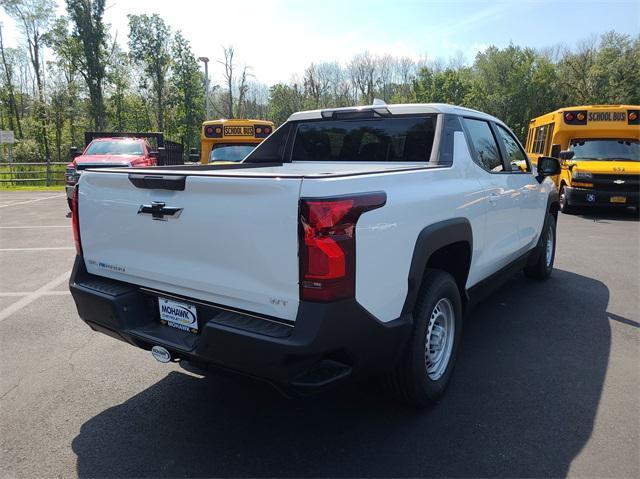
(407, 139)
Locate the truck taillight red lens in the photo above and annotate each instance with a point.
(75, 222)
(328, 244)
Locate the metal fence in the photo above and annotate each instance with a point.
(46, 173)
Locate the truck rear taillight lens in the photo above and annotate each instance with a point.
(328, 244)
(75, 222)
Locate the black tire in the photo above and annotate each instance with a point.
(543, 266)
(70, 203)
(565, 207)
(410, 380)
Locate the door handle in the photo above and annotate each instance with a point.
(493, 199)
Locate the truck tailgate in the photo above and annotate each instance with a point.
(234, 243)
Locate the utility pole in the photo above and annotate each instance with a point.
(205, 60)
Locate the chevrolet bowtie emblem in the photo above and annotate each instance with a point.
(159, 210)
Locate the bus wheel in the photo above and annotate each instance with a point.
(564, 203)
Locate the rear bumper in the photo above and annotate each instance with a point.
(329, 342)
(590, 197)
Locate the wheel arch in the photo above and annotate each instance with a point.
(553, 203)
(446, 245)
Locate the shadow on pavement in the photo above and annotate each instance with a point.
(521, 403)
(604, 214)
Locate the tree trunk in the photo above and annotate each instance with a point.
(35, 58)
(13, 107)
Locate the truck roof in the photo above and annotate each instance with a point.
(400, 109)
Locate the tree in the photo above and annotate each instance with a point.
(316, 83)
(150, 46)
(88, 47)
(8, 73)
(363, 70)
(445, 86)
(33, 18)
(283, 101)
(228, 77)
(68, 51)
(187, 82)
(502, 85)
(575, 68)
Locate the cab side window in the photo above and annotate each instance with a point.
(485, 145)
(515, 156)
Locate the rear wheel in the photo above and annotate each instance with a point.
(423, 372)
(565, 207)
(547, 252)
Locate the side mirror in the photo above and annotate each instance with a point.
(566, 154)
(194, 155)
(73, 153)
(547, 166)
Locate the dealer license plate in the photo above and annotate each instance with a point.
(618, 199)
(178, 315)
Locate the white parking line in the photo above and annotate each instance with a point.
(31, 297)
(39, 249)
(32, 227)
(13, 294)
(31, 201)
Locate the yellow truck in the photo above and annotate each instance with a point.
(231, 141)
(599, 151)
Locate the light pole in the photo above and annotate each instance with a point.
(205, 60)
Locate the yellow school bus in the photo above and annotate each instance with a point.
(599, 151)
(231, 140)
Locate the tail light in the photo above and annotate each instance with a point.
(575, 117)
(261, 131)
(213, 131)
(75, 222)
(633, 117)
(328, 244)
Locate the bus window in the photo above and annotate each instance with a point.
(227, 152)
(596, 149)
(549, 139)
(540, 140)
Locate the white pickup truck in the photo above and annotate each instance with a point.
(349, 243)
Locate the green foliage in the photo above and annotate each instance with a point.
(187, 94)
(87, 47)
(150, 47)
(27, 150)
(447, 86)
(283, 101)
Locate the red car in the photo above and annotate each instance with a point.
(106, 153)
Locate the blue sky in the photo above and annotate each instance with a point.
(278, 38)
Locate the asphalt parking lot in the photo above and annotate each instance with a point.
(547, 382)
